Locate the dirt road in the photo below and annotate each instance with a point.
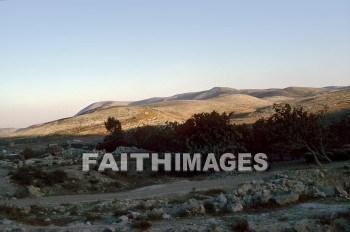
(178, 187)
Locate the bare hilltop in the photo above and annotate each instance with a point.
(247, 104)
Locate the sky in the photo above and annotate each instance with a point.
(58, 56)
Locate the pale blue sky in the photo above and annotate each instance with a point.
(58, 56)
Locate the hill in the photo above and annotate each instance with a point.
(5, 131)
(101, 104)
(247, 109)
(290, 92)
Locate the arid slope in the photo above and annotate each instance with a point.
(246, 107)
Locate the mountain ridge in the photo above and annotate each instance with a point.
(247, 109)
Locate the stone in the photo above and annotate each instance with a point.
(6, 222)
(340, 192)
(237, 207)
(286, 198)
(26, 209)
(194, 208)
(166, 216)
(246, 187)
(221, 199)
(123, 218)
(34, 191)
(156, 213)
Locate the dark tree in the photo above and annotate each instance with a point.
(113, 125)
(295, 127)
(115, 138)
(208, 132)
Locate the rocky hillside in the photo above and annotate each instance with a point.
(247, 109)
(290, 92)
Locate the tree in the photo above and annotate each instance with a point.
(162, 138)
(115, 138)
(113, 125)
(208, 132)
(295, 127)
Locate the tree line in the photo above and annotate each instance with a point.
(288, 129)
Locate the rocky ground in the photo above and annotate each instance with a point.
(298, 198)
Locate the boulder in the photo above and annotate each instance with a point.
(34, 191)
(194, 208)
(286, 198)
(156, 213)
(233, 208)
(340, 192)
(328, 190)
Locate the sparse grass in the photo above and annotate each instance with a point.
(73, 186)
(120, 212)
(74, 211)
(141, 225)
(214, 191)
(182, 213)
(141, 206)
(283, 218)
(240, 225)
(38, 177)
(91, 217)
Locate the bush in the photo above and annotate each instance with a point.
(36, 176)
(240, 225)
(27, 176)
(141, 225)
(120, 212)
(55, 177)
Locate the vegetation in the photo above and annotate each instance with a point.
(288, 130)
(28, 153)
(115, 138)
(38, 177)
(141, 224)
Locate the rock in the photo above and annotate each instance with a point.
(135, 215)
(156, 213)
(166, 216)
(265, 196)
(248, 200)
(296, 186)
(60, 209)
(235, 207)
(221, 200)
(34, 191)
(150, 204)
(286, 198)
(231, 198)
(88, 223)
(26, 210)
(6, 222)
(340, 192)
(122, 218)
(328, 190)
(245, 188)
(194, 208)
